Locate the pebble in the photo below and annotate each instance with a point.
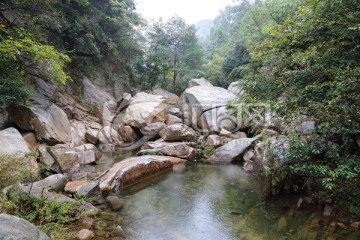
(85, 234)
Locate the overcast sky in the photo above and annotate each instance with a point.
(191, 10)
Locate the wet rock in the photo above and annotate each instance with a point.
(199, 82)
(145, 109)
(85, 234)
(153, 129)
(171, 120)
(177, 132)
(133, 170)
(14, 228)
(114, 202)
(232, 150)
(30, 139)
(49, 122)
(118, 231)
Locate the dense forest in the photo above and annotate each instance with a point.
(299, 56)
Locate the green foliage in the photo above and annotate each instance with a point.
(173, 56)
(14, 170)
(51, 216)
(12, 84)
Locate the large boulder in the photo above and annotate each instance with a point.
(14, 228)
(49, 122)
(205, 108)
(170, 98)
(144, 109)
(175, 149)
(102, 103)
(269, 155)
(66, 157)
(54, 182)
(12, 143)
(232, 150)
(177, 132)
(199, 82)
(153, 129)
(133, 170)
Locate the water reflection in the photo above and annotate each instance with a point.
(193, 204)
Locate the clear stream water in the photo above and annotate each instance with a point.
(211, 202)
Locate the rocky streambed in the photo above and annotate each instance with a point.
(73, 149)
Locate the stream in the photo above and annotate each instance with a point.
(202, 201)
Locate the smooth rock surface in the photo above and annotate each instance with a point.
(232, 150)
(199, 82)
(153, 129)
(177, 132)
(49, 122)
(133, 170)
(144, 109)
(14, 228)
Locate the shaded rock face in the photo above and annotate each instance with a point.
(133, 170)
(171, 119)
(64, 156)
(178, 132)
(14, 228)
(232, 150)
(199, 82)
(103, 104)
(144, 109)
(204, 108)
(49, 122)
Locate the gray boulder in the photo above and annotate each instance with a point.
(133, 170)
(14, 228)
(144, 109)
(49, 122)
(177, 132)
(199, 82)
(54, 182)
(235, 88)
(153, 129)
(232, 150)
(205, 108)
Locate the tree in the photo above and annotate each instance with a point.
(174, 52)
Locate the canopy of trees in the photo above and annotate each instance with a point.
(302, 57)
